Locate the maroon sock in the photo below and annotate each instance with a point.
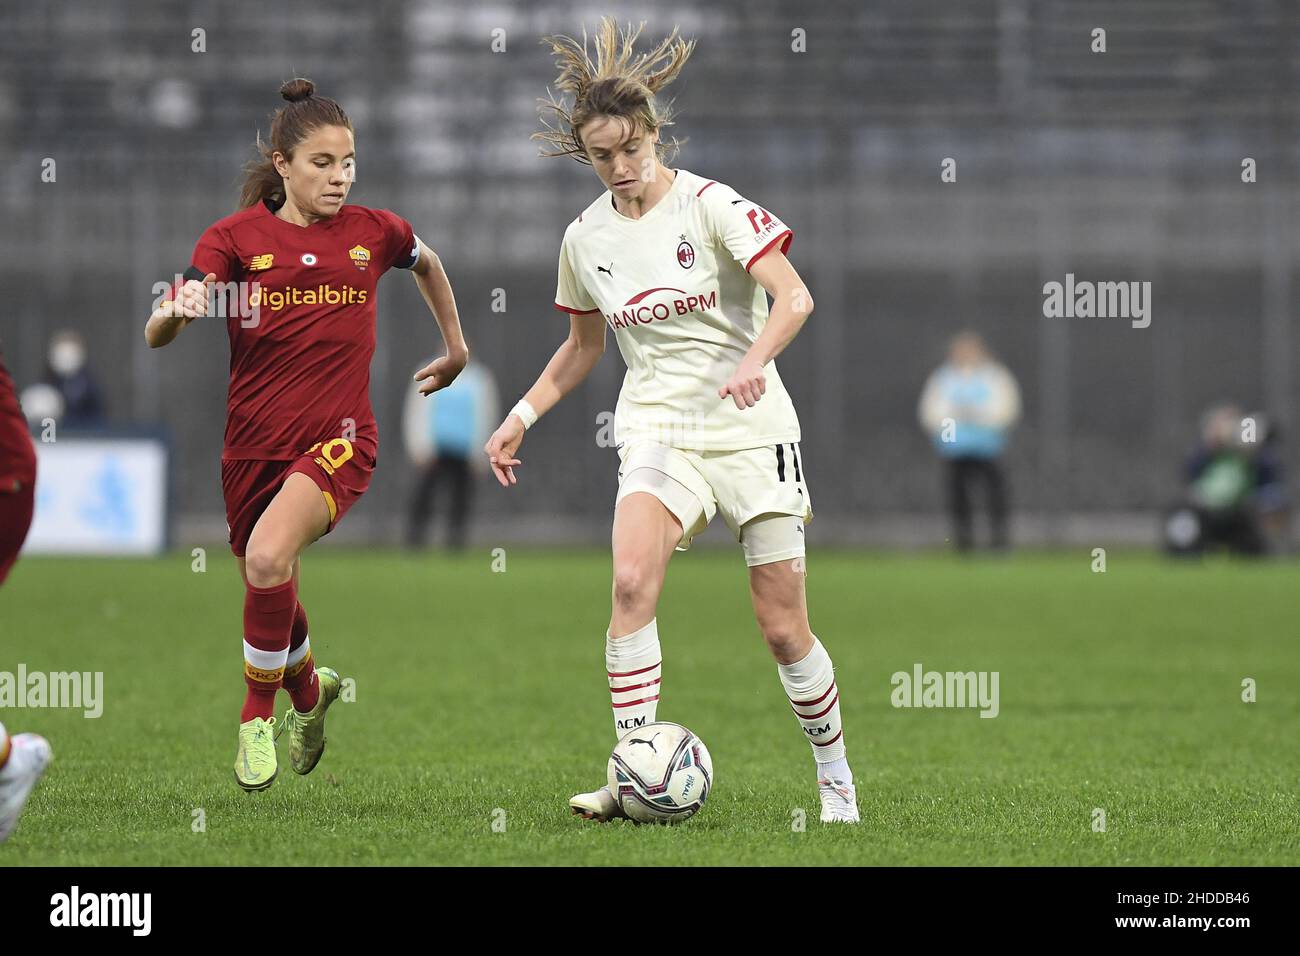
(268, 620)
(300, 678)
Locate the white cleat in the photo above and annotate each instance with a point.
(29, 755)
(599, 805)
(839, 801)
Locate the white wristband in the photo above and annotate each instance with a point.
(526, 413)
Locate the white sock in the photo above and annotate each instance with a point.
(633, 665)
(810, 686)
(835, 770)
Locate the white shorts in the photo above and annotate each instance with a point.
(765, 483)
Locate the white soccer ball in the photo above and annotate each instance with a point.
(660, 773)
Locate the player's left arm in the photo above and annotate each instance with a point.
(792, 303)
(435, 287)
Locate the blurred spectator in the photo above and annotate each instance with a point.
(40, 403)
(968, 407)
(1233, 495)
(444, 435)
(69, 372)
(1272, 504)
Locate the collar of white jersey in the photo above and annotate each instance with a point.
(673, 190)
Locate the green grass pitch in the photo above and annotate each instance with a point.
(481, 699)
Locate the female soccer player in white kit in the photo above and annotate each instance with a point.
(680, 267)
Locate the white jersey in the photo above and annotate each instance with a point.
(675, 287)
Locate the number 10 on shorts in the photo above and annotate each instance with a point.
(334, 454)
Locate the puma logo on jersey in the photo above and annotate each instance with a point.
(609, 272)
(734, 201)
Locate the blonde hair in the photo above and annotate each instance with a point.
(618, 82)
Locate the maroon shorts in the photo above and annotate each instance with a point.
(15, 518)
(340, 468)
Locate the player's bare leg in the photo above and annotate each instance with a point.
(296, 517)
(645, 534)
(781, 609)
(297, 570)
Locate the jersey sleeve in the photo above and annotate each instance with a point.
(570, 294)
(746, 229)
(214, 253)
(400, 248)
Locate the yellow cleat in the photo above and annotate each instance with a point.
(255, 764)
(307, 731)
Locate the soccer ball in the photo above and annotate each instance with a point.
(660, 773)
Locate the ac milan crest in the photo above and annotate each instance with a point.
(685, 254)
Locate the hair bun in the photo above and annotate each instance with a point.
(297, 89)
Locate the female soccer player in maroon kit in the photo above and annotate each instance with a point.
(301, 440)
(17, 475)
(23, 757)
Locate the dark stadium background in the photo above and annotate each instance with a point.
(1117, 166)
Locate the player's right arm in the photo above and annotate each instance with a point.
(214, 260)
(571, 363)
(189, 303)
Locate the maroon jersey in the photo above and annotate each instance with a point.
(300, 371)
(17, 454)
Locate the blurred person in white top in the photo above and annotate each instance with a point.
(680, 267)
(968, 408)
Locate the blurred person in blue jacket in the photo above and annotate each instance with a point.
(68, 370)
(444, 434)
(968, 407)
